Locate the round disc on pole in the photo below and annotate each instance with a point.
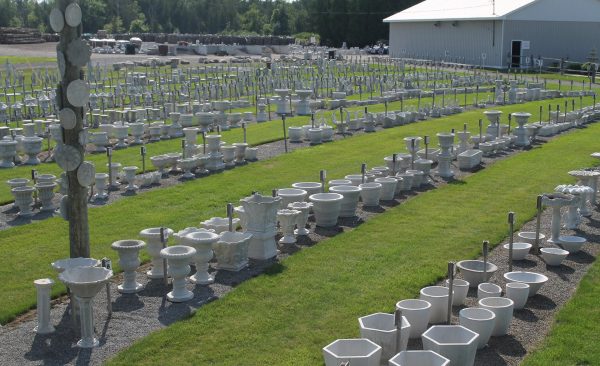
(67, 118)
(73, 15)
(62, 66)
(78, 93)
(67, 157)
(86, 174)
(57, 21)
(79, 52)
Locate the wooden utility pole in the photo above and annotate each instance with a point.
(72, 96)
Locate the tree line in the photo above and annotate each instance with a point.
(357, 22)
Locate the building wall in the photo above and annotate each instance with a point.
(553, 39)
(467, 40)
(559, 10)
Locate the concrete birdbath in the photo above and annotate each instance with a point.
(358, 352)
(63, 264)
(573, 217)
(351, 195)
(472, 271)
(437, 296)
(289, 195)
(480, 321)
(455, 342)
(502, 307)
(381, 329)
(588, 178)
(231, 251)
(494, 118)
(203, 242)
(302, 218)
(534, 280)
(287, 221)
(85, 283)
(178, 258)
(129, 261)
(556, 201)
(152, 238)
(419, 358)
(326, 207)
(261, 213)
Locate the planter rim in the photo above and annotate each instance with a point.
(496, 302)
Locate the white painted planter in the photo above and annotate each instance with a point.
(339, 182)
(418, 177)
(32, 146)
(520, 250)
(460, 289)
(553, 256)
(455, 342)
(417, 312)
(85, 283)
(295, 134)
(529, 237)
(503, 308)
(231, 251)
(350, 200)
(534, 280)
(359, 352)
(153, 245)
(472, 271)
(43, 287)
(315, 135)
(424, 166)
(480, 321)
(203, 242)
(389, 162)
(326, 207)
(129, 172)
(251, 153)
(487, 289)
(46, 195)
(370, 193)
(62, 265)
(101, 180)
(219, 224)
(287, 220)
(356, 179)
(309, 187)
(406, 183)
(228, 155)
(380, 329)
(290, 195)
(419, 358)
(8, 150)
(178, 258)
(518, 292)
(23, 200)
(129, 261)
(388, 187)
(437, 296)
(302, 218)
(469, 159)
(570, 243)
(261, 213)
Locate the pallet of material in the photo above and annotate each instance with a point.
(20, 35)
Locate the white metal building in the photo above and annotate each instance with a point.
(496, 33)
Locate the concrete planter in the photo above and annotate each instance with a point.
(359, 352)
(295, 134)
(154, 246)
(370, 193)
(472, 271)
(231, 251)
(203, 242)
(518, 292)
(480, 321)
(290, 195)
(502, 307)
(309, 187)
(529, 237)
(437, 296)
(178, 258)
(469, 159)
(553, 256)
(487, 289)
(534, 280)
(350, 200)
(302, 218)
(520, 250)
(261, 214)
(380, 329)
(570, 243)
(129, 261)
(460, 291)
(326, 207)
(388, 187)
(419, 358)
(339, 182)
(455, 342)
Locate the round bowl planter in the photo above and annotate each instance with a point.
(437, 296)
(472, 271)
(480, 321)
(370, 193)
(350, 200)
(502, 307)
(326, 207)
(529, 237)
(460, 289)
(518, 292)
(309, 187)
(553, 256)
(339, 182)
(417, 312)
(291, 195)
(388, 187)
(570, 243)
(534, 280)
(487, 289)
(520, 250)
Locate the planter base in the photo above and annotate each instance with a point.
(131, 290)
(235, 268)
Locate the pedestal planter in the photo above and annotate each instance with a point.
(215, 157)
(121, 132)
(472, 271)
(502, 307)
(203, 242)
(302, 218)
(240, 152)
(556, 201)
(521, 131)
(487, 289)
(32, 146)
(381, 330)
(46, 195)
(419, 358)
(287, 221)
(460, 291)
(129, 261)
(43, 287)
(480, 321)
(455, 342)
(418, 313)
(85, 283)
(130, 178)
(228, 155)
(518, 292)
(309, 187)
(445, 158)
(154, 246)
(231, 251)
(137, 131)
(388, 187)
(534, 280)
(261, 212)
(326, 207)
(23, 200)
(553, 256)
(8, 151)
(178, 258)
(351, 195)
(463, 137)
(520, 250)
(290, 195)
(359, 352)
(114, 172)
(160, 162)
(437, 296)
(370, 193)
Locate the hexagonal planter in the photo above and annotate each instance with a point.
(380, 329)
(359, 352)
(420, 358)
(455, 342)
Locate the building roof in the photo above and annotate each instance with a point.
(439, 10)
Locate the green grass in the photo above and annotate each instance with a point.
(22, 60)
(574, 337)
(287, 315)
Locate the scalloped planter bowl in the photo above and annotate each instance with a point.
(419, 358)
(326, 207)
(380, 329)
(534, 280)
(359, 352)
(417, 312)
(520, 250)
(472, 271)
(553, 256)
(480, 321)
(63, 264)
(503, 308)
(455, 342)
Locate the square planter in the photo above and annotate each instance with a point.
(469, 159)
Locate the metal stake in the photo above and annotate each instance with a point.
(511, 223)
(363, 171)
(163, 241)
(398, 324)
(450, 290)
(322, 177)
(536, 245)
(485, 256)
(230, 216)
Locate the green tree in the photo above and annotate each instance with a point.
(139, 25)
(253, 19)
(280, 21)
(115, 25)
